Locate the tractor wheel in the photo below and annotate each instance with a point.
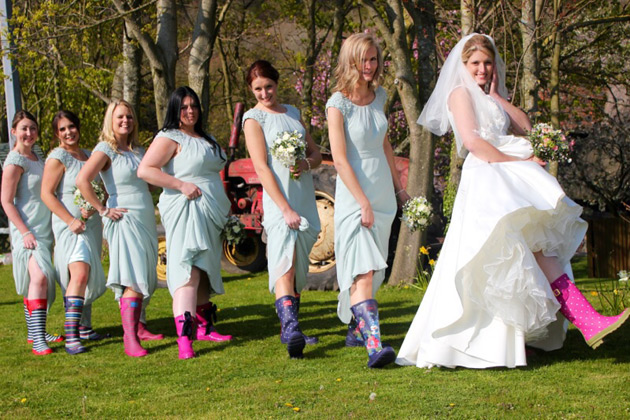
(248, 256)
(161, 264)
(322, 273)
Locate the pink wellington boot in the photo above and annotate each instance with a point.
(130, 313)
(145, 335)
(574, 306)
(185, 325)
(206, 317)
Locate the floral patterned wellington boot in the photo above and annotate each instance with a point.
(574, 306)
(366, 314)
(291, 333)
(354, 337)
(206, 317)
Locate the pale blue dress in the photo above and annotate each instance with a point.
(132, 239)
(283, 241)
(36, 216)
(358, 249)
(69, 247)
(193, 227)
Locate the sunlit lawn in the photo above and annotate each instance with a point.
(252, 376)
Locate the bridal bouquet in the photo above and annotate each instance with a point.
(550, 144)
(234, 231)
(416, 213)
(288, 148)
(83, 203)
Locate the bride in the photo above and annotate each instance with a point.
(504, 272)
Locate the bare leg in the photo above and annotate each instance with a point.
(361, 289)
(38, 286)
(185, 298)
(549, 265)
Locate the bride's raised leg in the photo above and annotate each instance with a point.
(575, 307)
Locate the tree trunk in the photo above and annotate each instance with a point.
(467, 8)
(131, 72)
(162, 53)
(529, 78)
(393, 30)
(205, 33)
(554, 76)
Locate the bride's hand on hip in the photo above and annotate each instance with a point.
(367, 216)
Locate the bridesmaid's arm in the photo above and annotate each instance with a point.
(257, 148)
(98, 162)
(53, 172)
(337, 138)
(11, 175)
(162, 150)
(401, 193)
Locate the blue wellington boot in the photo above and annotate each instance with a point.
(366, 314)
(310, 340)
(290, 329)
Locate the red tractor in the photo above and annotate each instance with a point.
(245, 192)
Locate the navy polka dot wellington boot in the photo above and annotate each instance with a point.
(291, 334)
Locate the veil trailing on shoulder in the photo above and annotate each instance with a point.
(435, 115)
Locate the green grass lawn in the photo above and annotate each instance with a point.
(252, 377)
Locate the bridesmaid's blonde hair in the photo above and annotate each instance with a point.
(107, 133)
(349, 64)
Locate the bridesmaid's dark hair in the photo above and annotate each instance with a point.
(21, 115)
(262, 68)
(65, 114)
(173, 111)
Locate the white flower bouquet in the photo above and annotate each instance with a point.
(623, 276)
(416, 213)
(83, 203)
(550, 144)
(234, 231)
(288, 148)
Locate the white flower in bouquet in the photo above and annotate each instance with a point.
(623, 275)
(416, 213)
(234, 231)
(83, 203)
(289, 148)
(550, 144)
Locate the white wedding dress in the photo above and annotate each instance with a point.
(488, 297)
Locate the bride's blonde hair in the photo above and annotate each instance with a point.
(349, 64)
(477, 43)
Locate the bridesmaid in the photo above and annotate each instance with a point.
(186, 161)
(291, 220)
(78, 234)
(129, 216)
(31, 232)
(366, 192)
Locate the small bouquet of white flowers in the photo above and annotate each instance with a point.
(83, 203)
(623, 276)
(550, 144)
(288, 148)
(416, 213)
(234, 231)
